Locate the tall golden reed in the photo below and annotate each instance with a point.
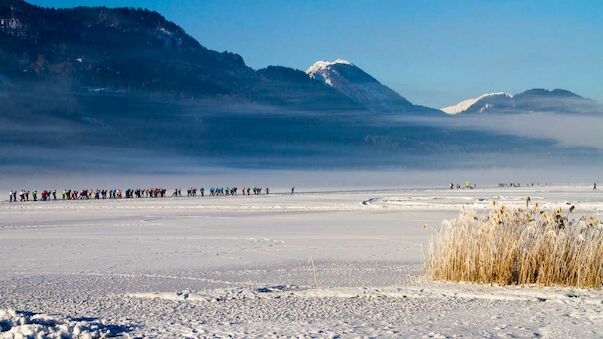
(519, 246)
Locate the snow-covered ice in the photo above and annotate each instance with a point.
(319, 264)
(21, 324)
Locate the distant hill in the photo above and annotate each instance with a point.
(128, 50)
(136, 50)
(533, 100)
(361, 87)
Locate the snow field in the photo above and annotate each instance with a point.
(246, 266)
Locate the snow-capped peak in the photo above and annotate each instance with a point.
(466, 104)
(321, 65)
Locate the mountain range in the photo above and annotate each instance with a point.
(533, 100)
(88, 83)
(135, 50)
(126, 50)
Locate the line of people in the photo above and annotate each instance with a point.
(221, 191)
(68, 194)
(24, 195)
(467, 185)
(118, 193)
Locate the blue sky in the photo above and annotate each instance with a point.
(434, 52)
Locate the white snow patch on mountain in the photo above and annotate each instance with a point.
(322, 65)
(466, 104)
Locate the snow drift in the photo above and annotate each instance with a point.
(18, 324)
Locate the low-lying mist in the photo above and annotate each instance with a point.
(566, 130)
(44, 131)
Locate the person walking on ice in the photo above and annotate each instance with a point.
(293, 190)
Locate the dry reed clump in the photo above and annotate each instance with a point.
(519, 246)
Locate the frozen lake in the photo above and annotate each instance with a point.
(318, 264)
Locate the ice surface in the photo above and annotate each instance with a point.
(316, 264)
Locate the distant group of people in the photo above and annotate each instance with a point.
(222, 191)
(67, 194)
(466, 185)
(512, 184)
(118, 193)
(516, 184)
(219, 191)
(24, 195)
(115, 193)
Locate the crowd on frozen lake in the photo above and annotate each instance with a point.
(118, 193)
(159, 192)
